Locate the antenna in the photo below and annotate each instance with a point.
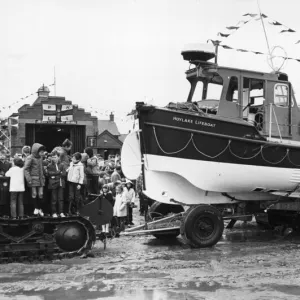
(54, 82)
(263, 25)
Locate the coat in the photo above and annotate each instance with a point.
(76, 173)
(64, 158)
(129, 195)
(33, 167)
(4, 167)
(115, 176)
(109, 197)
(120, 207)
(92, 166)
(57, 174)
(17, 182)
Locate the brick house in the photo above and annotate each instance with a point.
(49, 121)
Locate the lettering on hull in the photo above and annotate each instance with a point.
(191, 121)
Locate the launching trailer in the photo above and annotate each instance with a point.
(231, 150)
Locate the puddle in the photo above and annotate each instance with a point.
(131, 275)
(286, 289)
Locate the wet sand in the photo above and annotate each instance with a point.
(249, 263)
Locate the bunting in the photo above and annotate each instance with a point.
(122, 115)
(9, 106)
(256, 17)
(251, 51)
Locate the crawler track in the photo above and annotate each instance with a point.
(44, 238)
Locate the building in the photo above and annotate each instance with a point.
(107, 141)
(49, 121)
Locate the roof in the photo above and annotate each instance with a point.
(43, 88)
(113, 137)
(122, 137)
(108, 125)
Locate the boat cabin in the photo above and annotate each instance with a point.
(264, 100)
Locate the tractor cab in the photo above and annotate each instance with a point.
(264, 100)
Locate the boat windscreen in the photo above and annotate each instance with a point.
(208, 88)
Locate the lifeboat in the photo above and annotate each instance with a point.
(235, 138)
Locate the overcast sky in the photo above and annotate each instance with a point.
(111, 53)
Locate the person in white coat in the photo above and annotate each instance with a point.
(120, 206)
(16, 188)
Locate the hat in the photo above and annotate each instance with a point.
(128, 181)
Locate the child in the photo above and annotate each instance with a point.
(25, 152)
(56, 173)
(83, 190)
(75, 180)
(92, 172)
(129, 196)
(106, 193)
(65, 149)
(16, 188)
(34, 174)
(5, 165)
(120, 207)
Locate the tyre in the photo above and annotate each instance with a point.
(159, 210)
(203, 226)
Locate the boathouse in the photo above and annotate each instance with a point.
(49, 121)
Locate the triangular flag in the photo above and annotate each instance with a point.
(214, 42)
(275, 23)
(250, 15)
(223, 34)
(287, 30)
(232, 27)
(226, 47)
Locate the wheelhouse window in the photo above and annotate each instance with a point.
(208, 88)
(233, 89)
(253, 97)
(207, 92)
(281, 95)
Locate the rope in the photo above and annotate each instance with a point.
(227, 147)
(276, 163)
(209, 155)
(175, 152)
(245, 157)
(291, 160)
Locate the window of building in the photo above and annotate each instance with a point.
(281, 95)
(233, 90)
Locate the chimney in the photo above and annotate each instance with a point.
(111, 117)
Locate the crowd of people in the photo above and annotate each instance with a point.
(66, 181)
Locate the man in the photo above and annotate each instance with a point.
(116, 175)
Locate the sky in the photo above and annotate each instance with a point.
(109, 54)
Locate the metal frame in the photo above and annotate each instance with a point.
(144, 230)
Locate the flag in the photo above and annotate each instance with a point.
(226, 47)
(232, 27)
(250, 15)
(49, 113)
(275, 23)
(66, 113)
(287, 30)
(57, 113)
(223, 34)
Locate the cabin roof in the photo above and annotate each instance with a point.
(257, 74)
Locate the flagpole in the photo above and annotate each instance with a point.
(54, 83)
(266, 37)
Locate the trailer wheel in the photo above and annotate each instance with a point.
(203, 226)
(159, 210)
